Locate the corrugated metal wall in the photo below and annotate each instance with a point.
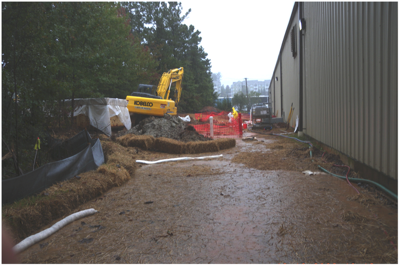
(276, 91)
(350, 80)
(290, 73)
(272, 95)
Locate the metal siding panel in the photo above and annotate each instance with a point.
(378, 89)
(352, 101)
(360, 83)
(327, 128)
(306, 101)
(341, 96)
(278, 90)
(323, 88)
(290, 73)
(314, 77)
(366, 60)
(346, 41)
(318, 86)
(334, 141)
(344, 79)
(393, 91)
(384, 73)
(370, 85)
(350, 84)
(355, 84)
(327, 106)
(309, 74)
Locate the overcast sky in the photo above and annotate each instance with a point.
(242, 38)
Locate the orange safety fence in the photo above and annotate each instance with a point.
(204, 116)
(221, 128)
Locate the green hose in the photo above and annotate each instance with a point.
(362, 180)
(342, 177)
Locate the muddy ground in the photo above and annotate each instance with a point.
(253, 205)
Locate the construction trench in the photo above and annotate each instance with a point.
(252, 205)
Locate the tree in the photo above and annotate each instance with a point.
(224, 104)
(21, 61)
(240, 101)
(62, 50)
(159, 26)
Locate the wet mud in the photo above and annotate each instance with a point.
(220, 211)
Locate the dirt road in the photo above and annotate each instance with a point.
(218, 211)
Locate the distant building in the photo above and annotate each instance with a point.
(217, 85)
(261, 87)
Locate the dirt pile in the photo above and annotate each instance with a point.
(171, 127)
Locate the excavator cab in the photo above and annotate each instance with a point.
(146, 91)
(150, 89)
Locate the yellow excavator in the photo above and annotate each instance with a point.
(160, 101)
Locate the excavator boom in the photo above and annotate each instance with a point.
(167, 79)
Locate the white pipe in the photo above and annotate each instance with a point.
(175, 159)
(29, 241)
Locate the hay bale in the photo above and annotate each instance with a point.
(145, 142)
(115, 122)
(30, 215)
(123, 160)
(225, 143)
(110, 148)
(115, 175)
(104, 137)
(201, 147)
(168, 145)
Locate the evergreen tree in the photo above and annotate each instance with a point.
(159, 26)
(56, 51)
(240, 101)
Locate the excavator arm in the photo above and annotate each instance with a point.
(167, 79)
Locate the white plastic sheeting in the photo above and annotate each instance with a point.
(29, 241)
(100, 110)
(185, 119)
(175, 159)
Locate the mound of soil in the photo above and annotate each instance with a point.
(167, 126)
